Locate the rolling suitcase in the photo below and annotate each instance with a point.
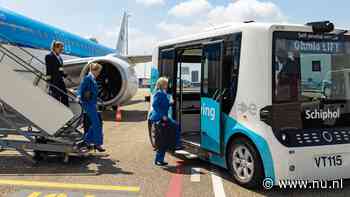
(165, 135)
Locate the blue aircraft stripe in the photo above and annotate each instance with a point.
(27, 32)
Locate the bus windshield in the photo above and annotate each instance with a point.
(311, 78)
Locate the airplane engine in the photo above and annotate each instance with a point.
(117, 82)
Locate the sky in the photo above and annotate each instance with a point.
(156, 20)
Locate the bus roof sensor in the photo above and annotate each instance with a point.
(321, 26)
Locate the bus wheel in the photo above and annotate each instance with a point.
(151, 133)
(245, 164)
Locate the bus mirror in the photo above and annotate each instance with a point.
(266, 115)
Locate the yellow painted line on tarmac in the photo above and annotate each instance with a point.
(35, 194)
(69, 186)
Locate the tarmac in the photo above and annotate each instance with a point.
(127, 169)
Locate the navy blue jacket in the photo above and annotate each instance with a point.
(54, 69)
(88, 84)
(160, 105)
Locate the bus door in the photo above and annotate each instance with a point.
(211, 97)
(167, 69)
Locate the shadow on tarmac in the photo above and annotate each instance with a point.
(14, 165)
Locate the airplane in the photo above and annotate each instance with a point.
(117, 82)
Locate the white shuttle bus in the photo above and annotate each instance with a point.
(272, 100)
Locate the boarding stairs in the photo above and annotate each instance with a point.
(31, 121)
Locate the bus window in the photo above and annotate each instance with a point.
(189, 62)
(231, 61)
(210, 81)
(187, 94)
(167, 66)
(311, 81)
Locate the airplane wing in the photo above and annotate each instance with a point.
(77, 61)
(132, 59)
(139, 59)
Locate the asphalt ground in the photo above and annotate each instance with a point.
(127, 169)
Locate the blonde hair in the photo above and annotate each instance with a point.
(95, 67)
(55, 44)
(160, 82)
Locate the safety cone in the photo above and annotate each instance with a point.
(118, 114)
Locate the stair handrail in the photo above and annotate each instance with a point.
(31, 69)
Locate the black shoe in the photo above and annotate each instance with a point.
(179, 148)
(100, 149)
(157, 163)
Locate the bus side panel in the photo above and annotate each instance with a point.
(232, 127)
(154, 78)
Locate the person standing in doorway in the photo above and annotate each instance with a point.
(161, 105)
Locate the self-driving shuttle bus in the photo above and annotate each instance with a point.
(271, 102)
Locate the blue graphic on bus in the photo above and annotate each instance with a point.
(210, 124)
(154, 78)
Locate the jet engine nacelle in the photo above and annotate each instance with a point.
(117, 82)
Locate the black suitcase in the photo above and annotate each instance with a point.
(165, 135)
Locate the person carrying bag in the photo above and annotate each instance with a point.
(167, 130)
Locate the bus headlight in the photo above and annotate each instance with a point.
(284, 137)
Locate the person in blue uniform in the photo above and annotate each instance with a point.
(161, 104)
(55, 74)
(87, 94)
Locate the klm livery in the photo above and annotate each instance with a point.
(273, 104)
(118, 82)
(30, 33)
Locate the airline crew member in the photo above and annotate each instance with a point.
(55, 74)
(87, 93)
(161, 104)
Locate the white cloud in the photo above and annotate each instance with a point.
(243, 10)
(151, 2)
(142, 42)
(139, 42)
(177, 29)
(235, 11)
(190, 8)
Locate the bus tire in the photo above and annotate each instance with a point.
(244, 163)
(151, 134)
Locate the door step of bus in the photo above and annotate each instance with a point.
(186, 154)
(192, 150)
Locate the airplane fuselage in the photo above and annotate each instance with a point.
(26, 32)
